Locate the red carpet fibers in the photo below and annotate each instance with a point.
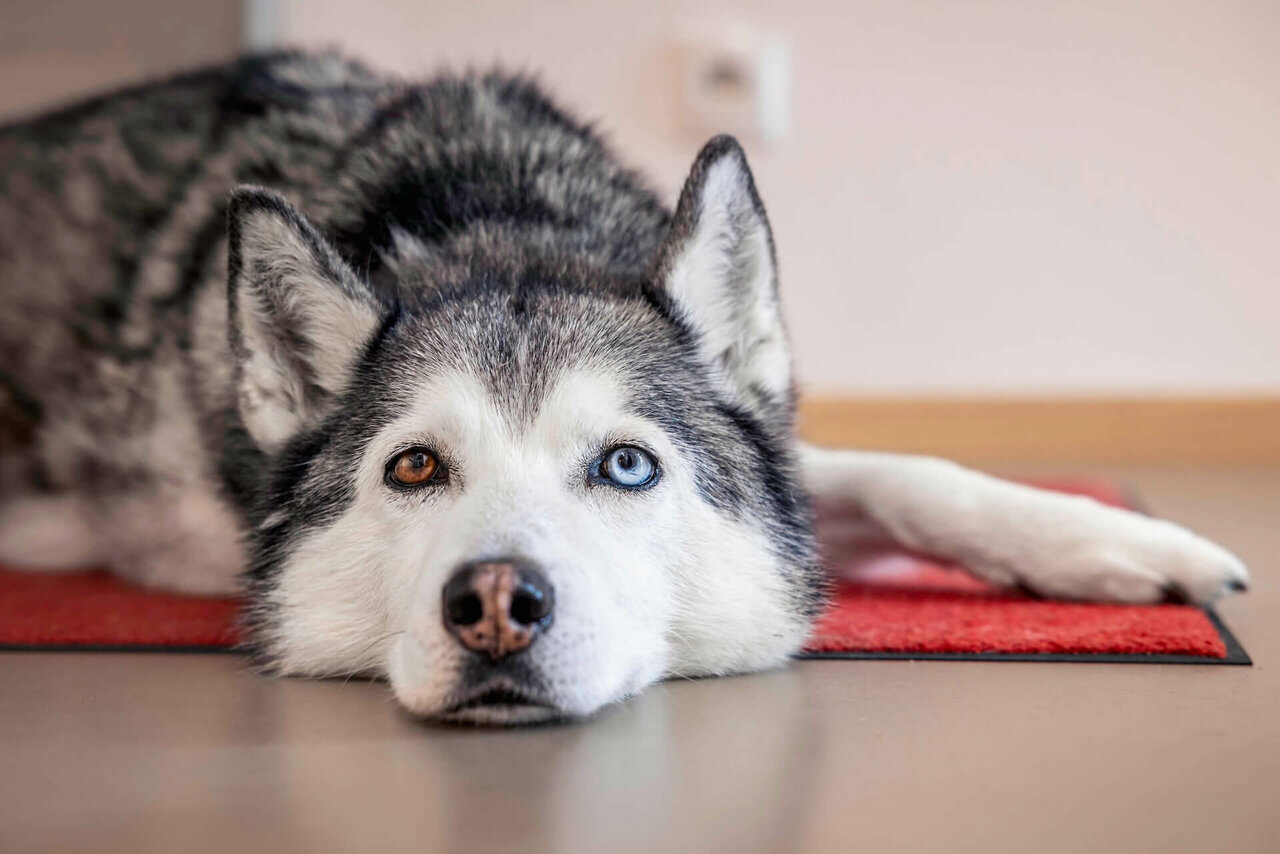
(927, 609)
(898, 604)
(98, 609)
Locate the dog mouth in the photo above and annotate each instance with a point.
(500, 705)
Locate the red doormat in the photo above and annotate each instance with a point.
(899, 607)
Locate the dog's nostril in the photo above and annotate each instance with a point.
(529, 605)
(498, 607)
(465, 610)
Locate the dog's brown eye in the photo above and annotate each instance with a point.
(414, 467)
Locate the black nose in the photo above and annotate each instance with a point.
(498, 607)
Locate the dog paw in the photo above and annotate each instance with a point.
(1125, 557)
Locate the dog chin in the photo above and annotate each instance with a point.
(503, 715)
(472, 691)
(498, 703)
(493, 702)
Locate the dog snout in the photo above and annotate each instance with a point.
(498, 607)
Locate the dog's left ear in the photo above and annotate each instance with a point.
(717, 266)
(299, 318)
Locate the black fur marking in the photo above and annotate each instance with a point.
(431, 204)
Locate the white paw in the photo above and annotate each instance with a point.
(1115, 556)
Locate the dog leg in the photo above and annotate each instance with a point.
(46, 532)
(1056, 545)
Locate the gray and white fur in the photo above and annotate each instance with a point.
(237, 299)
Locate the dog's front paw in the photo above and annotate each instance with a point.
(1125, 557)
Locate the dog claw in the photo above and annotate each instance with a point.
(1176, 594)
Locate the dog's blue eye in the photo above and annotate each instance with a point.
(630, 468)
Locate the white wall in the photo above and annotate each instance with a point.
(974, 197)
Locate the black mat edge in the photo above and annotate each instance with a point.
(1235, 654)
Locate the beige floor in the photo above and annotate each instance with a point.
(190, 753)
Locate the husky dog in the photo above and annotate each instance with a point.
(457, 400)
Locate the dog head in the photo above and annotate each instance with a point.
(531, 487)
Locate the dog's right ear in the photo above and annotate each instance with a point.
(299, 319)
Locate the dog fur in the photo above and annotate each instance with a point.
(234, 296)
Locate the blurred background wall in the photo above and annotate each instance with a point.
(1054, 198)
(54, 50)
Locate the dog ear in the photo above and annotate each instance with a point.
(299, 317)
(717, 265)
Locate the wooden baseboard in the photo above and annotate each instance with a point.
(1085, 430)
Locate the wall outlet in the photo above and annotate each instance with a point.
(733, 78)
